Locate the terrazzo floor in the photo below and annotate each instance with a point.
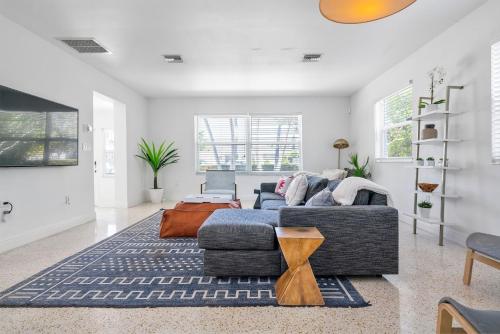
(404, 303)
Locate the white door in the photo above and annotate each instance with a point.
(109, 152)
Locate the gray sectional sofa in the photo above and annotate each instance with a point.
(359, 240)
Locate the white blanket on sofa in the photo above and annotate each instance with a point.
(346, 191)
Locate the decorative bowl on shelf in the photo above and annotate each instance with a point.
(428, 187)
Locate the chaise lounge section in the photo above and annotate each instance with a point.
(240, 243)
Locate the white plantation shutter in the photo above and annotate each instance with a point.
(495, 102)
(276, 143)
(249, 143)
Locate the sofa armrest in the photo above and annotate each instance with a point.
(359, 240)
(267, 187)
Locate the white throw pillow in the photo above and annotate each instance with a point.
(296, 191)
(334, 174)
(304, 172)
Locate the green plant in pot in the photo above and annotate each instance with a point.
(424, 208)
(157, 158)
(419, 161)
(431, 162)
(434, 106)
(359, 170)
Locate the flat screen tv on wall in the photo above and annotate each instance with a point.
(36, 132)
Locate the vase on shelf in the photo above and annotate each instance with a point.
(429, 132)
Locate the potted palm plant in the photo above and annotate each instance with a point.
(157, 158)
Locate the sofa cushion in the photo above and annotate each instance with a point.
(314, 185)
(239, 229)
(323, 198)
(270, 196)
(297, 190)
(273, 204)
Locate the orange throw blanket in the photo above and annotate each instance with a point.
(185, 219)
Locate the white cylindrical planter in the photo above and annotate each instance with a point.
(431, 163)
(155, 195)
(431, 107)
(425, 212)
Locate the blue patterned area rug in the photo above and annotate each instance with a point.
(135, 268)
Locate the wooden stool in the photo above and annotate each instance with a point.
(298, 286)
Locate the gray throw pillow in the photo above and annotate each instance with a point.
(362, 197)
(323, 198)
(332, 184)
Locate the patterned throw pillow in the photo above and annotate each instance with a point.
(283, 184)
(323, 198)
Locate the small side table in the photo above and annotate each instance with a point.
(298, 286)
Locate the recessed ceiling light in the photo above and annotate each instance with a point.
(174, 59)
(311, 57)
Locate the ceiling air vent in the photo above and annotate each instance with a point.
(311, 57)
(174, 59)
(84, 45)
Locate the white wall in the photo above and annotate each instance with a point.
(464, 51)
(30, 64)
(172, 119)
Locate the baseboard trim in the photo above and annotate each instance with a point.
(450, 234)
(43, 232)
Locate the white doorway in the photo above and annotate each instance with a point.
(110, 161)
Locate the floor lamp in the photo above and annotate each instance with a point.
(340, 144)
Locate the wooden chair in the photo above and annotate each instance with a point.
(471, 321)
(484, 248)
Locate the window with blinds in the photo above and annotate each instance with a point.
(276, 143)
(249, 143)
(495, 103)
(393, 126)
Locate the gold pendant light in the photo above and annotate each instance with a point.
(360, 11)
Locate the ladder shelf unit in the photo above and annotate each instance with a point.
(443, 116)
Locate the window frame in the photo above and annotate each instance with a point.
(381, 129)
(495, 111)
(248, 142)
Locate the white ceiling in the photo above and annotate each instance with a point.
(235, 47)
